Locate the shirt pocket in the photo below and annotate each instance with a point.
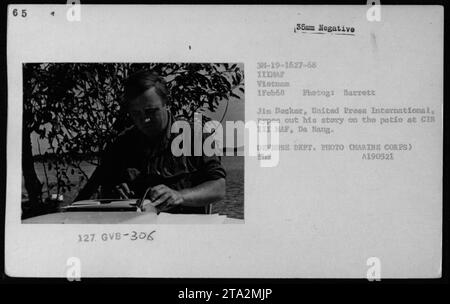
(169, 166)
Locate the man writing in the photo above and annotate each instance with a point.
(140, 160)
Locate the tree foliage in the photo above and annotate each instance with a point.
(76, 106)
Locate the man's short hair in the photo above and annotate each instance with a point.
(141, 81)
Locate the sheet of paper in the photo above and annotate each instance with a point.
(356, 188)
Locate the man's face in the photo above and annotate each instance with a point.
(149, 113)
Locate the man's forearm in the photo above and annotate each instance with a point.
(204, 194)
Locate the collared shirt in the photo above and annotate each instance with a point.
(141, 163)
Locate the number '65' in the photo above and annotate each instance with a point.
(16, 12)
